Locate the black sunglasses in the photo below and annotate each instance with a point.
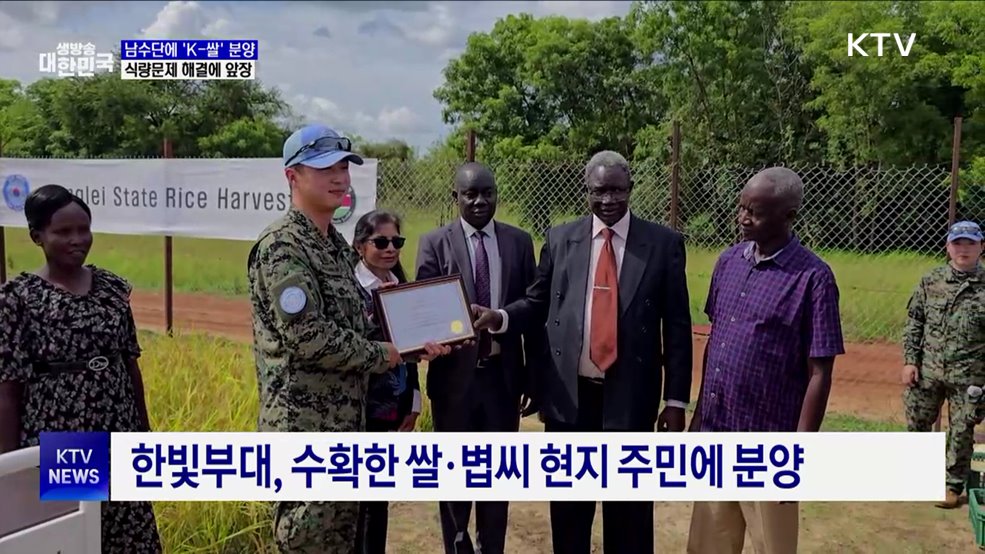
(324, 144)
(382, 242)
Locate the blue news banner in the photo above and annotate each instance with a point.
(189, 50)
(493, 466)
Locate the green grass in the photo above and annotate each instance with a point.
(874, 289)
(199, 383)
(843, 423)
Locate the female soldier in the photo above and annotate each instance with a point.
(68, 352)
(394, 399)
(944, 352)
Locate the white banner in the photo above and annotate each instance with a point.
(527, 466)
(202, 198)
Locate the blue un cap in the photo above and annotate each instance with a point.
(319, 147)
(965, 230)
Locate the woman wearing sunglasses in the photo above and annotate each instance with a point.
(394, 399)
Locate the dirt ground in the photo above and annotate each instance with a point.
(866, 378)
(897, 528)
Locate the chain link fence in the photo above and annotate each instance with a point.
(879, 228)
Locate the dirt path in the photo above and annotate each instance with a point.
(866, 379)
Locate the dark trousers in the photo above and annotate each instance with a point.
(627, 527)
(487, 407)
(374, 516)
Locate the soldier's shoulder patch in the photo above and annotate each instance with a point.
(292, 300)
(292, 297)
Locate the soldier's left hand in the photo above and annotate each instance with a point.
(433, 350)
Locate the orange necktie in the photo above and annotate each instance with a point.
(605, 302)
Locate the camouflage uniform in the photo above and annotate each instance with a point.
(945, 339)
(313, 360)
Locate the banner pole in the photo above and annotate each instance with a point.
(3, 245)
(168, 268)
(3, 255)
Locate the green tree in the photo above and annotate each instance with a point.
(573, 85)
(393, 149)
(17, 118)
(732, 77)
(255, 137)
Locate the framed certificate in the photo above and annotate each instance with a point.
(430, 310)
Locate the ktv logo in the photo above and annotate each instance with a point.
(855, 43)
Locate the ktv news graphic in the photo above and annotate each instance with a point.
(514, 466)
(188, 59)
(75, 466)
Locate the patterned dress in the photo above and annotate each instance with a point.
(42, 323)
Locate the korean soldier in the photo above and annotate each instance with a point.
(944, 351)
(309, 328)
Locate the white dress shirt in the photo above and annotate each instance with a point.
(491, 243)
(620, 232)
(371, 282)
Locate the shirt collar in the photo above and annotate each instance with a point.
(780, 256)
(298, 217)
(621, 228)
(978, 275)
(489, 229)
(368, 279)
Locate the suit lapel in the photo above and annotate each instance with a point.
(578, 263)
(504, 262)
(461, 251)
(633, 264)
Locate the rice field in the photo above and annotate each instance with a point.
(201, 383)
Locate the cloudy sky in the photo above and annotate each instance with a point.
(368, 67)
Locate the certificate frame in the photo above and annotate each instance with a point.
(460, 311)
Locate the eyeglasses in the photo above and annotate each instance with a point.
(324, 144)
(382, 242)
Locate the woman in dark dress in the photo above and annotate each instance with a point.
(394, 398)
(52, 322)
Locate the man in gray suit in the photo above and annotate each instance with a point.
(612, 291)
(485, 386)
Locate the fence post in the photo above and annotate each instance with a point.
(168, 266)
(470, 145)
(952, 212)
(3, 245)
(675, 174)
(952, 207)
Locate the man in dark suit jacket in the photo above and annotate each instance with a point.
(611, 289)
(481, 387)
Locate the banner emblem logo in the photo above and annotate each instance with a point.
(15, 191)
(348, 207)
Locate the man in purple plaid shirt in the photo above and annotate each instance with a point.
(773, 306)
